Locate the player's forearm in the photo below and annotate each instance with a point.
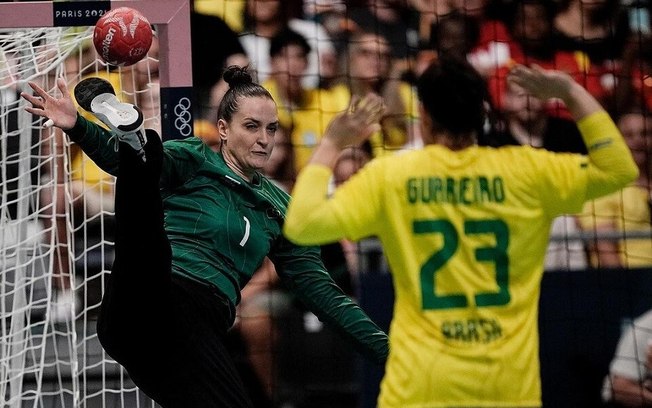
(611, 166)
(310, 220)
(580, 102)
(308, 208)
(326, 153)
(96, 142)
(322, 296)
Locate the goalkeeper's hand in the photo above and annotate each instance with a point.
(59, 111)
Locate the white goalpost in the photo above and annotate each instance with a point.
(56, 207)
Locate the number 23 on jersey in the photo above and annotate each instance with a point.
(438, 260)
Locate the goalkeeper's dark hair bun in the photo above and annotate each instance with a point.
(241, 85)
(236, 75)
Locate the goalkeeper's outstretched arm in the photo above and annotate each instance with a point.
(61, 112)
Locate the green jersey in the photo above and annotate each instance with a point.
(221, 227)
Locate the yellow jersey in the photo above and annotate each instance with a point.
(625, 211)
(465, 234)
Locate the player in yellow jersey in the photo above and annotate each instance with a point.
(464, 228)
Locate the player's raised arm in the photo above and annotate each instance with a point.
(309, 219)
(60, 111)
(611, 165)
(548, 84)
(349, 128)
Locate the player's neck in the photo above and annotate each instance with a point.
(454, 143)
(236, 166)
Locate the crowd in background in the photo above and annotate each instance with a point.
(315, 55)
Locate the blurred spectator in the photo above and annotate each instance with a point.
(629, 383)
(530, 23)
(228, 10)
(395, 21)
(304, 112)
(369, 67)
(318, 10)
(491, 49)
(350, 161)
(600, 30)
(634, 86)
(430, 12)
(453, 34)
(333, 16)
(264, 19)
(209, 61)
(626, 211)
(312, 9)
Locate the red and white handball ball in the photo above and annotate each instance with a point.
(122, 36)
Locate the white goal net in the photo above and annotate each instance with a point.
(56, 210)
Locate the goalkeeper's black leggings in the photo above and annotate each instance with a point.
(167, 331)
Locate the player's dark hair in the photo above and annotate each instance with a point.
(241, 85)
(285, 38)
(455, 96)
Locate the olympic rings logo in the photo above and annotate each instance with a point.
(183, 117)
